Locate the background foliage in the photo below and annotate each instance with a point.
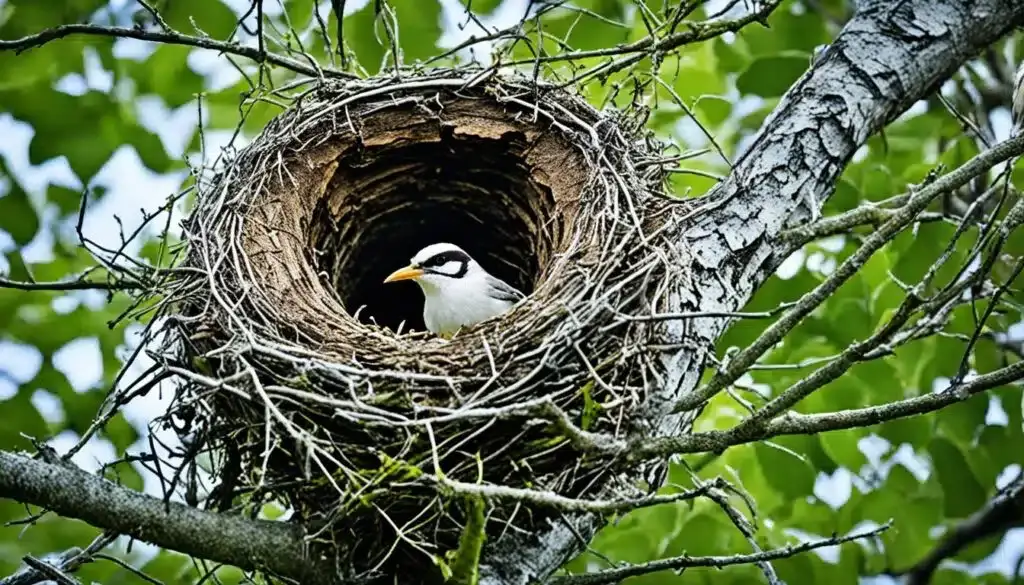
(119, 121)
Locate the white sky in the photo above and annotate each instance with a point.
(131, 187)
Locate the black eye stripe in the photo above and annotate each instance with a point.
(445, 257)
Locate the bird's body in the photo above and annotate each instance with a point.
(457, 291)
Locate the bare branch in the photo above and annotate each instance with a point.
(872, 215)
(249, 544)
(553, 500)
(338, 6)
(685, 561)
(793, 423)
(167, 37)
(82, 284)
(67, 562)
(1003, 512)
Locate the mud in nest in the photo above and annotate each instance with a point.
(296, 377)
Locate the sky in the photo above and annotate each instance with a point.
(131, 186)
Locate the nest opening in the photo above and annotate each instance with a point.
(475, 192)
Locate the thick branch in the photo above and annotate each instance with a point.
(249, 544)
(886, 58)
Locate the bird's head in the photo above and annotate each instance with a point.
(437, 267)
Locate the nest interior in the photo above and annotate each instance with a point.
(467, 181)
(315, 397)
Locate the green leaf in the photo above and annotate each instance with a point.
(419, 30)
(484, 7)
(962, 492)
(99, 127)
(786, 470)
(67, 200)
(120, 432)
(166, 73)
(772, 76)
(21, 420)
(733, 56)
(209, 17)
(962, 421)
(39, 67)
(17, 215)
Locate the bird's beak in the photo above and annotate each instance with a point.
(407, 273)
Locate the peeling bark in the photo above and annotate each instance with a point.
(235, 540)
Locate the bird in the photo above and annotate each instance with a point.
(457, 291)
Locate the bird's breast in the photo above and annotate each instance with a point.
(444, 315)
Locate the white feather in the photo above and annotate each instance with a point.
(451, 301)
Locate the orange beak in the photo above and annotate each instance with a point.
(407, 273)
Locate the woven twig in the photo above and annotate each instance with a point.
(300, 395)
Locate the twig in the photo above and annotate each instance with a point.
(1004, 511)
(793, 423)
(50, 572)
(684, 561)
(553, 500)
(167, 37)
(338, 6)
(68, 561)
(117, 285)
(919, 199)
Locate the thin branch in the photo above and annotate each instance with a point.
(793, 423)
(547, 499)
(71, 285)
(167, 37)
(867, 215)
(338, 6)
(67, 562)
(1003, 512)
(685, 561)
(52, 573)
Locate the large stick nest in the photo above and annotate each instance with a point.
(297, 373)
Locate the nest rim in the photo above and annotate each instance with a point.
(608, 235)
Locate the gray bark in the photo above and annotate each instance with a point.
(72, 492)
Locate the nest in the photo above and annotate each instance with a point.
(308, 377)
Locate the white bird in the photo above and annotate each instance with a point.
(457, 291)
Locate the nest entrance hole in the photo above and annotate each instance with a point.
(474, 192)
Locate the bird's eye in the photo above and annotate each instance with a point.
(436, 261)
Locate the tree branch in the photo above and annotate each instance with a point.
(338, 6)
(116, 285)
(67, 562)
(793, 423)
(169, 37)
(1003, 512)
(248, 544)
(684, 561)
